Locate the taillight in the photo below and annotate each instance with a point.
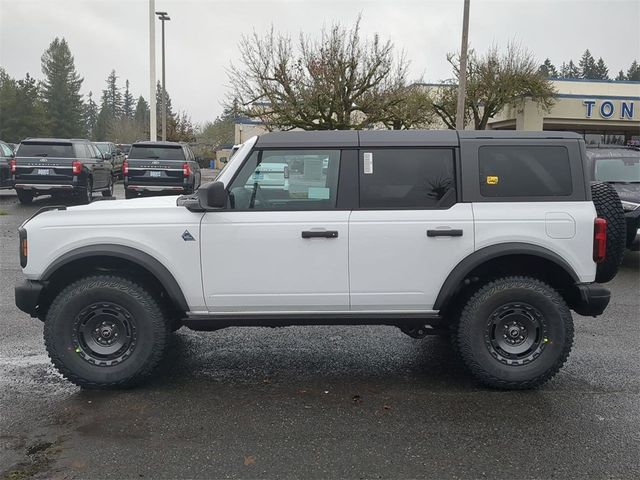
(125, 168)
(599, 240)
(76, 167)
(12, 165)
(186, 169)
(286, 171)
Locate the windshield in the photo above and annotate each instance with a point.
(618, 170)
(165, 152)
(45, 149)
(235, 159)
(103, 147)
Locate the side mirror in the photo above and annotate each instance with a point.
(106, 156)
(212, 195)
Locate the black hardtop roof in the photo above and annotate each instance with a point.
(150, 143)
(55, 140)
(395, 138)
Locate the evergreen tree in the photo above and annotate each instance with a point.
(111, 96)
(61, 90)
(634, 71)
(171, 117)
(588, 68)
(104, 123)
(569, 70)
(602, 72)
(141, 115)
(621, 75)
(22, 112)
(548, 69)
(90, 117)
(127, 102)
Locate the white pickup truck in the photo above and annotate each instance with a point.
(490, 237)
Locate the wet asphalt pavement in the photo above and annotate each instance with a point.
(319, 402)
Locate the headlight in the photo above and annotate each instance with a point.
(629, 206)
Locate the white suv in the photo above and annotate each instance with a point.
(490, 237)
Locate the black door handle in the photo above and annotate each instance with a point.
(320, 234)
(444, 233)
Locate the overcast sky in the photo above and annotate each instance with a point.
(203, 35)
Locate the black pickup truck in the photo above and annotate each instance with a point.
(154, 168)
(54, 166)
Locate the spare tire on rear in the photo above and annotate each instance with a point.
(608, 206)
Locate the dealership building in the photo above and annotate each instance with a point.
(603, 111)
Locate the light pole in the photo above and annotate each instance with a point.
(152, 71)
(462, 76)
(163, 16)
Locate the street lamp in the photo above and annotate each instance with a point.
(162, 16)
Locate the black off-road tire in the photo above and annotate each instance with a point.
(85, 194)
(476, 333)
(74, 358)
(608, 206)
(24, 196)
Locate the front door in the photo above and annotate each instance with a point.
(410, 230)
(280, 246)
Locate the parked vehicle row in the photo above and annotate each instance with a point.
(78, 168)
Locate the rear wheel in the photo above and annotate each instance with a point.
(109, 191)
(514, 333)
(105, 331)
(24, 196)
(608, 206)
(85, 195)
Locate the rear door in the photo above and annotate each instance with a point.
(410, 230)
(277, 249)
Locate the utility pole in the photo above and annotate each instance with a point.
(163, 17)
(462, 77)
(152, 71)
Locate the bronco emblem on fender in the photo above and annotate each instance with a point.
(187, 237)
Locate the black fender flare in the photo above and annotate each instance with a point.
(133, 255)
(477, 258)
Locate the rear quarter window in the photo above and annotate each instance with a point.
(157, 153)
(524, 171)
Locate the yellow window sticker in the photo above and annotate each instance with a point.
(492, 179)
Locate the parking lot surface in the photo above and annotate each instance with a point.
(319, 402)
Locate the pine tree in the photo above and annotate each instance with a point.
(601, 72)
(548, 69)
(141, 115)
(90, 117)
(127, 102)
(26, 115)
(634, 71)
(621, 75)
(104, 123)
(61, 90)
(111, 96)
(171, 117)
(570, 70)
(588, 68)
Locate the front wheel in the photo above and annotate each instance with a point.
(514, 333)
(105, 331)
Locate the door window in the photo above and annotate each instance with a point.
(524, 171)
(287, 180)
(407, 178)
